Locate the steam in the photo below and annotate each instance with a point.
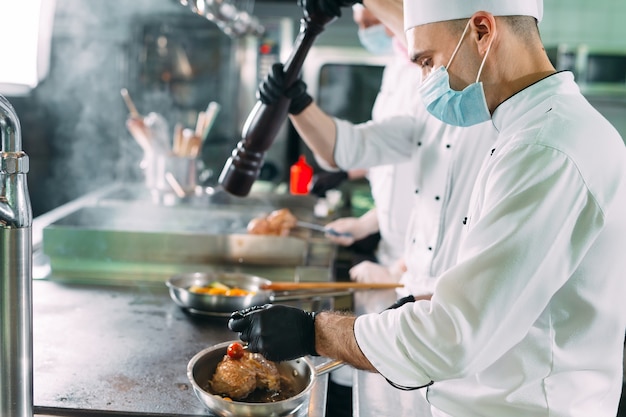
(86, 133)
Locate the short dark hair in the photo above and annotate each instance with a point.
(524, 27)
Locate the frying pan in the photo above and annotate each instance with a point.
(300, 373)
(221, 305)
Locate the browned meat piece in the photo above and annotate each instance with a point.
(267, 376)
(282, 220)
(277, 223)
(238, 378)
(260, 226)
(233, 378)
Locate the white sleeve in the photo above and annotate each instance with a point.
(324, 165)
(374, 143)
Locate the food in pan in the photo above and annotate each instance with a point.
(218, 288)
(240, 373)
(277, 223)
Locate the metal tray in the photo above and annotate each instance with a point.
(161, 240)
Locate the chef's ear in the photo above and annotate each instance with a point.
(483, 30)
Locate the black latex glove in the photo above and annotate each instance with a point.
(273, 87)
(331, 8)
(325, 181)
(401, 301)
(278, 332)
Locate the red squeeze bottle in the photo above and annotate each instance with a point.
(300, 177)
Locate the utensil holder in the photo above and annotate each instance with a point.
(170, 177)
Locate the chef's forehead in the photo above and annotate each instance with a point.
(421, 12)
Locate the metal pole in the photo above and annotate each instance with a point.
(16, 252)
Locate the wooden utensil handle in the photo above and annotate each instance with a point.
(292, 286)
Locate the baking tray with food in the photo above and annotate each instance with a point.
(230, 381)
(219, 293)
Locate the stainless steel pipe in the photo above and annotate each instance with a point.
(16, 253)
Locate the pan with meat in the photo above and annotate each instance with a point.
(250, 385)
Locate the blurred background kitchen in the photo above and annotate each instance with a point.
(65, 85)
(65, 64)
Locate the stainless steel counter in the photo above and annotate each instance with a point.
(105, 350)
(108, 339)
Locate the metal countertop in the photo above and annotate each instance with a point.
(123, 351)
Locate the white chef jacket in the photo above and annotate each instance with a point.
(444, 163)
(390, 184)
(531, 320)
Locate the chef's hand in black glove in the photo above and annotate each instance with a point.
(273, 87)
(401, 301)
(325, 181)
(278, 332)
(331, 8)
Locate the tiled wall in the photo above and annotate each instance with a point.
(597, 23)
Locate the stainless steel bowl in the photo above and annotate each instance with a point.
(300, 372)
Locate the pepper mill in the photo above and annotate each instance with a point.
(264, 121)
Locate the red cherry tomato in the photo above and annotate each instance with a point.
(235, 351)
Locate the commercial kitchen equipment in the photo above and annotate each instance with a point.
(16, 344)
(108, 337)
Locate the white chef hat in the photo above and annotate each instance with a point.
(421, 12)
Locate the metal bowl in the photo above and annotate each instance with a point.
(300, 373)
(218, 305)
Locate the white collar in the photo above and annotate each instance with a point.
(533, 99)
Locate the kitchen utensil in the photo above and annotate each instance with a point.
(222, 305)
(210, 114)
(322, 229)
(132, 109)
(139, 132)
(150, 131)
(300, 375)
(176, 187)
(168, 173)
(264, 121)
(295, 286)
(159, 131)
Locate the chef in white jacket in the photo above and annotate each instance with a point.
(391, 183)
(421, 172)
(530, 320)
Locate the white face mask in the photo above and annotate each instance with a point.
(376, 40)
(457, 108)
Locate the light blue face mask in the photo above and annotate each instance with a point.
(376, 40)
(457, 108)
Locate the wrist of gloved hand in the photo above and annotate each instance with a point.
(401, 301)
(273, 88)
(324, 181)
(277, 332)
(300, 103)
(300, 99)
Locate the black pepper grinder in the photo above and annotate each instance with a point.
(264, 121)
